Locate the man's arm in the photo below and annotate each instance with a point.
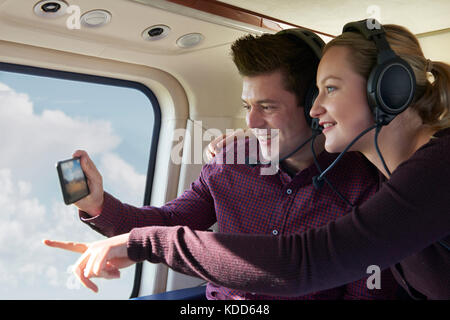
(194, 208)
(109, 216)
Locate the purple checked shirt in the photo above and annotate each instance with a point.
(241, 200)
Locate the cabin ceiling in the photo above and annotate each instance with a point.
(329, 16)
(130, 18)
(121, 39)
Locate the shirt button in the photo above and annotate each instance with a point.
(289, 191)
(275, 232)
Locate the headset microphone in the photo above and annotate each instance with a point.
(319, 180)
(318, 184)
(315, 44)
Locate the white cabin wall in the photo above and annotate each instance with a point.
(436, 46)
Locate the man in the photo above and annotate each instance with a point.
(277, 71)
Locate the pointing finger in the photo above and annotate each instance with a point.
(66, 245)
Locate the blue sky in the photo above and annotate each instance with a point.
(125, 108)
(43, 121)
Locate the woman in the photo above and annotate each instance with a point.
(415, 147)
(403, 226)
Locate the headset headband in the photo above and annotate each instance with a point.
(374, 33)
(314, 42)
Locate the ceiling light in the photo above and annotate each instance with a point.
(190, 40)
(95, 18)
(156, 32)
(50, 9)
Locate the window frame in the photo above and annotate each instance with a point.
(82, 77)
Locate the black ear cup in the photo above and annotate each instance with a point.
(391, 84)
(391, 87)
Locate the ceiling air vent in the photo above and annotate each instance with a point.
(50, 9)
(156, 32)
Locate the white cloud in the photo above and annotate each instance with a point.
(31, 144)
(24, 261)
(26, 134)
(34, 143)
(121, 178)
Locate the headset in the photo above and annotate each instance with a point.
(316, 44)
(391, 85)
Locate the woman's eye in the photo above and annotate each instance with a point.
(330, 89)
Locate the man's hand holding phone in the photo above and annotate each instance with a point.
(93, 203)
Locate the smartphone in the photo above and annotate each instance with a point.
(72, 179)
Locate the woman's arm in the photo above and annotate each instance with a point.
(409, 213)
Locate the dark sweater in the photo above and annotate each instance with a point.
(405, 225)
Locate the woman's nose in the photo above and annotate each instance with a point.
(317, 108)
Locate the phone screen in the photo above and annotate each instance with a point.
(73, 181)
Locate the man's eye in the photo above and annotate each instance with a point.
(267, 107)
(246, 107)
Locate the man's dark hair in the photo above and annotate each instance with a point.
(257, 55)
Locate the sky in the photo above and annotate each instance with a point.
(43, 121)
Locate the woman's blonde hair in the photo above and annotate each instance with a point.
(432, 98)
